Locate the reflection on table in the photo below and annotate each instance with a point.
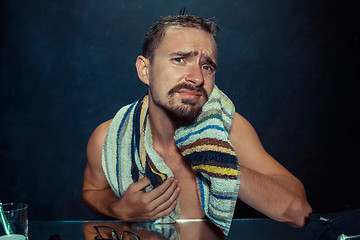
(149, 230)
(191, 229)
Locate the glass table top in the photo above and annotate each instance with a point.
(189, 229)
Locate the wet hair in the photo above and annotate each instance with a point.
(154, 36)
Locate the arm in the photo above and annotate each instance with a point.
(136, 204)
(265, 184)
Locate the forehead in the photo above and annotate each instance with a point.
(186, 39)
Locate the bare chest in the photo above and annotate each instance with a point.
(190, 206)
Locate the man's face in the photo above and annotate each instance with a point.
(182, 73)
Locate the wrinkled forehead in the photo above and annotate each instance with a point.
(188, 39)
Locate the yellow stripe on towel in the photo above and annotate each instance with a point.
(163, 176)
(217, 170)
(142, 151)
(206, 147)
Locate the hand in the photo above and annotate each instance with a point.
(136, 204)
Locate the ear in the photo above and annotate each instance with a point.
(143, 69)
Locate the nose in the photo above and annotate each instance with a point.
(195, 75)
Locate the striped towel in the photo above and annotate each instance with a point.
(128, 156)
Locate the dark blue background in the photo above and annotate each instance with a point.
(291, 68)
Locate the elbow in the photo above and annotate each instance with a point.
(297, 213)
(86, 199)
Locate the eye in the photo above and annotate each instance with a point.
(178, 60)
(207, 68)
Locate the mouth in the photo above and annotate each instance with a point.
(189, 92)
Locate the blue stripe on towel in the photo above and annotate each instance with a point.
(223, 197)
(117, 144)
(217, 127)
(210, 157)
(201, 188)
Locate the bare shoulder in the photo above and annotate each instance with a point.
(95, 144)
(94, 177)
(250, 151)
(97, 138)
(242, 131)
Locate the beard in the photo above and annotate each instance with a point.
(187, 112)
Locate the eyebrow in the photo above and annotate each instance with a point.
(193, 54)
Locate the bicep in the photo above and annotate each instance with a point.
(94, 177)
(249, 150)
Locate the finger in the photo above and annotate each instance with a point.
(141, 184)
(160, 190)
(172, 192)
(166, 211)
(166, 200)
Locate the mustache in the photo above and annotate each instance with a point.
(189, 87)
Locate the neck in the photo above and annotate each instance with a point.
(162, 128)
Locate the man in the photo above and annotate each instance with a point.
(179, 65)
